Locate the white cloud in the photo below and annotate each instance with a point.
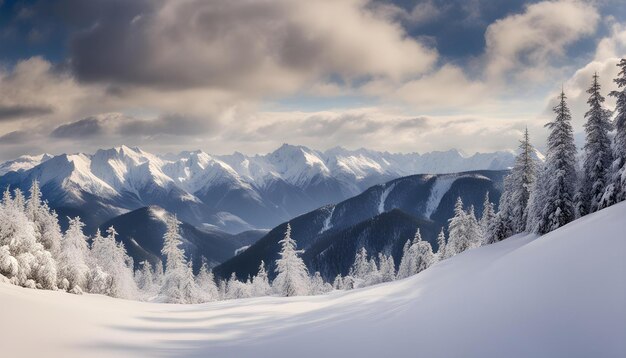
(447, 89)
(527, 43)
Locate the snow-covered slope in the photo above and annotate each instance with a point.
(560, 295)
(252, 191)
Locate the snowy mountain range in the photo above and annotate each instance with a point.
(381, 219)
(230, 192)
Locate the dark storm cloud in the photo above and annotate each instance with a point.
(15, 137)
(8, 113)
(81, 129)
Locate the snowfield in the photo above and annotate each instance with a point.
(560, 295)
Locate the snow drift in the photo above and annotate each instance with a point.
(559, 295)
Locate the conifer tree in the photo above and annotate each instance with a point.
(206, 282)
(441, 245)
(23, 260)
(616, 190)
(387, 267)
(418, 257)
(457, 230)
(260, 282)
(513, 214)
(360, 268)
(110, 257)
(473, 230)
(75, 256)
(553, 203)
(236, 289)
(338, 282)
(598, 155)
(318, 286)
(488, 216)
(179, 285)
(292, 277)
(145, 278)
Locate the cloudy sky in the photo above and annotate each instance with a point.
(248, 75)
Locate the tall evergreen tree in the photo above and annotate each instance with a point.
(553, 203)
(179, 285)
(616, 190)
(110, 257)
(292, 277)
(387, 267)
(473, 230)
(75, 256)
(517, 189)
(488, 216)
(441, 245)
(598, 155)
(457, 231)
(360, 268)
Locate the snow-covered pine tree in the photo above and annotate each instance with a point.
(159, 274)
(236, 289)
(513, 214)
(23, 260)
(46, 221)
(110, 256)
(206, 282)
(418, 257)
(292, 277)
(75, 257)
(486, 220)
(179, 285)
(408, 260)
(598, 155)
(553, 204)
(441, 245)
(338, 282)
(497, 231)
(387, 267)
(144, 277)
(616, 190)
(360, 269)
(473, 230)
(318, 286)
(98, 280)
(261, 283)
(457, 231)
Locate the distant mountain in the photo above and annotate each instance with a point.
(142, 232)
(380, 219)
(23, 163)
(233, 193)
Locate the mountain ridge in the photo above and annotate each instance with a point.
(232, 192)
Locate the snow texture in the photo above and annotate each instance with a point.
(327, 225)
(569, 302)
(383, 197)
(439, 189)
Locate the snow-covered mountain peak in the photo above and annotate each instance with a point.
(297, 164)
(25, 162)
